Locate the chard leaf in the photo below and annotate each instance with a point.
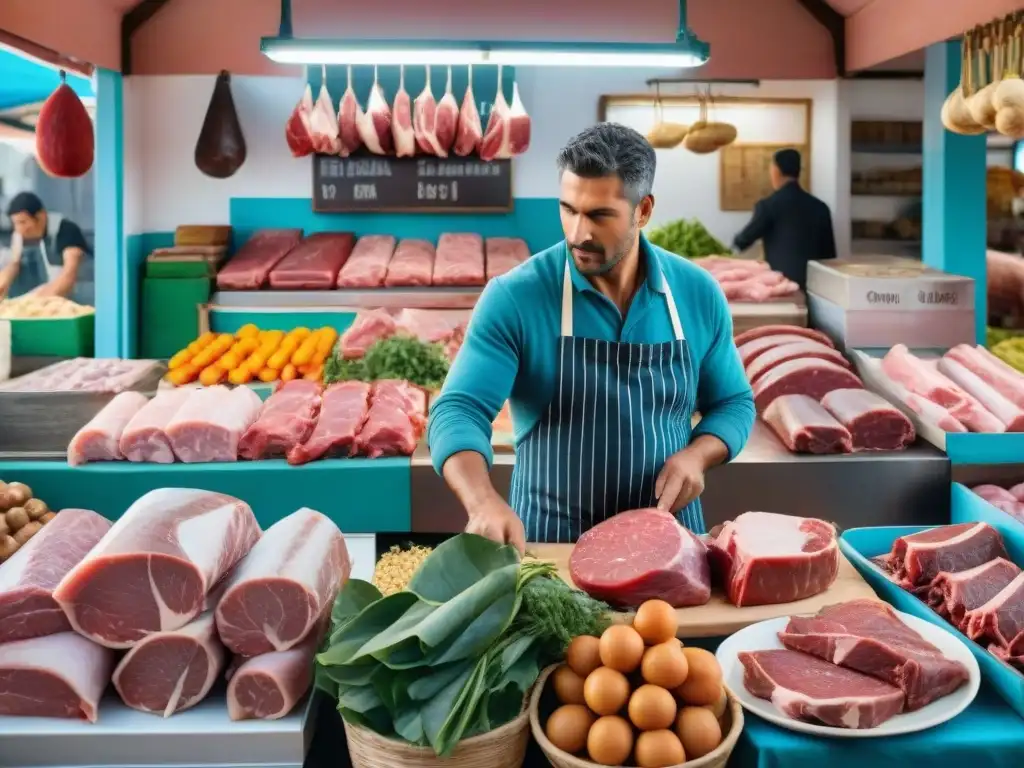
(457, 564)
(352, 600)
(371, 622)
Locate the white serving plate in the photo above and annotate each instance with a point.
(763, 636)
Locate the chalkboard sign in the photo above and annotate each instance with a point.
(411, 184)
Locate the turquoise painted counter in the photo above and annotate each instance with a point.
(360, 495)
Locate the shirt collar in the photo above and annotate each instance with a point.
(652, 261)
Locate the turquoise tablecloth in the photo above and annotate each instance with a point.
(987, 735)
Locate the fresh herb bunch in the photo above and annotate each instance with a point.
(397, 357)
(686, 237)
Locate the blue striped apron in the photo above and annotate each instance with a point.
(618, 412)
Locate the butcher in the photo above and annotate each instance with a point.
(605, 347)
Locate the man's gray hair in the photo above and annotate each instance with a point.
(610, 149)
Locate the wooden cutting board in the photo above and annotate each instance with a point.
(718, 617)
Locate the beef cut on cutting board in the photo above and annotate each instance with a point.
(804, 426)
(269, 686)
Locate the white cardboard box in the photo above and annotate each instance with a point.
(889, 283)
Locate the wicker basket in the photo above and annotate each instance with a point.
(504, 747)
(539, 703)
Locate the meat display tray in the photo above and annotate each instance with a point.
(385, 298)
(861, 544)
(123, 738)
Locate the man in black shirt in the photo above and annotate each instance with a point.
(795, 226)
(47, 251)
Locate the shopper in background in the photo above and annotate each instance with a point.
(1005, 289)
(794, 226)
(46, 253)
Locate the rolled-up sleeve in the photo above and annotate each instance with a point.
(479, 381)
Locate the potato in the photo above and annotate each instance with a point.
(8, 546)
(17, 518)
(4, 529)
(27, 531)
(36, 508)
(6, 502)
(20, 493)
(47, 517)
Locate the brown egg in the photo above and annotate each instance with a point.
(610, 741)
(621, 648)
(568, 685)
(606, 691)
(703, 684)
(719, 707)
(699, 731)
(583, 655)
(659, 749)
(665, 664)
(568, 727)
(656, 621)
(652, 708)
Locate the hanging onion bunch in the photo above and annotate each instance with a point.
(664, 135)
(707, 135)
(1008, 96)
(956, 115)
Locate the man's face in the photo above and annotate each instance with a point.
(28, 226)
(776, 176)
(600, 224)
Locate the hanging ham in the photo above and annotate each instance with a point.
(469, 130)
(297, 131)
(349, 112)
(401, 120)
(375, 124)
(518, 125)
(65, 143)
(424, 121)
(508, 128)
(220, 150)
(447, 117)
(323, 123)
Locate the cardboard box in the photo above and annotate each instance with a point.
(889, 283)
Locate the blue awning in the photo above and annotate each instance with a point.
(25, 81)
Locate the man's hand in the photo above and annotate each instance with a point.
(496, 520)
(681, 480)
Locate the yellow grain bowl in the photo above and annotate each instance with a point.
(504, 747)
(733, 720)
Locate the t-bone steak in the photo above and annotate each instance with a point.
(763, 558)
(639, 555)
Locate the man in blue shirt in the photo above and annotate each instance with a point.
(605, 347)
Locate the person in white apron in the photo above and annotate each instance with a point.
(46, 250)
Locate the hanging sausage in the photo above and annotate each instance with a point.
(220, 150)
(65, 142)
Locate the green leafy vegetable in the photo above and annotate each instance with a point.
(686, 237)
(398, 357)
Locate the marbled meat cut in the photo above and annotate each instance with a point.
(284, 586)
(369, 327)
(269, 686)
(61, 675)
(504, 254)
(1000, 621)
(868, 636)
(314, 263)
(953, 595)
(755, 348)
(100, 439)
(805, 688)
(396, 420)
(459, 260)
(29, 576)
(210, 424)
(343, 410)
(874, 423)
(807, 376)
(286, 420)
(145, 438)
(918, 558)
(794, 350)
(434, 326)
(412, 264)
(763, 558)
(933, 413)
(168, 672)
(774, 330)
(1009, 413)
(152, 571)
(639, 555)
(1005, 380)
(804, 426)
(250, 267)
(923, 379)
(367, 267)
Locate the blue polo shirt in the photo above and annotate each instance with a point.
(511, 348)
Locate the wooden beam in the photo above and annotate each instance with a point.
(131, 22)
(835, 24)
(45, 54)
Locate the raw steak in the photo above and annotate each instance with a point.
(755, 348)
(814, 378)
(868, 636)
(639, 555)
(314, 263)
(250, 267)
(874, 423)
(918, 558)
(145, 438)
(931, 412)
(171, 671)
(794, 350)
(61, 675)
(269, 686)
(504, 254)
(152, 571)
(369, 327)
(775, 330)
(286, 420)
(1000, 620)
(925, 380)
(368, 265)
(958, 593)
(805, 427)
(285, 585)
(411, 265)
(1008, 413)
(1005, 380)
(805, 688)
(763, 558)
(434, 326)
(28, 578)
(343, 410)
(100, 439)
(395, 422)
(459, 260)
(210, 424)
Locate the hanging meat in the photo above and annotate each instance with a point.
(469, 130)
(508, 128)
(297, 131)
(348, 120)
(375, 124)
(220, 150)
(424, 121)
(401, 120)
(518, 124)
(65, 143)
(447, 117)
(323, 123)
